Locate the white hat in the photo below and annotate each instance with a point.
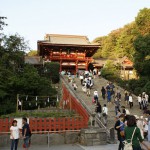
(136, 116)
(141, 117)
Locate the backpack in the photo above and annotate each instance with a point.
(87, 85)
(127, 145)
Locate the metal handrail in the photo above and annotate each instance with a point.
(99, 122)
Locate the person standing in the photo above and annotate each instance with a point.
(117, 105)
(130, 100)
(96, 96)
(126, 97)
(105, 113)
(19, 105)
(132, 129)
(119, 126)
(118, 94)
(98, 109)
(88, 88)
(81, 78)
(148, 123)
(140, 100)
(139, 124)
(103, 91)
(108, 96)
(26, 134)
(14, 135)
(144, 103)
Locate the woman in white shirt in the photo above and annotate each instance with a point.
(96, 96)
(105, 113)
(130, 101)
(14, 135)
(140, 100)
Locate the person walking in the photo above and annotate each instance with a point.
(108, 96)
(133, 130)
(96, 96)
(105, 113)
(148, 123)
(139, 124)
(117, 105)
(26, 133)
(140, 100)
(103, 91)
(88, 88)
(126, 97)
(119, 126)
(98, 109)
(130, 100)
(14, 135)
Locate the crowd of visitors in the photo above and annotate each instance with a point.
(132, 129)
(128, 126)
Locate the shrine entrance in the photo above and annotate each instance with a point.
(73, 52)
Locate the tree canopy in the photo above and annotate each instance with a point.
(119, 43)
(16, 77)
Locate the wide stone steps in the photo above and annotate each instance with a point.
(98, 83)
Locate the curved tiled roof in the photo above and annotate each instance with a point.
(66, 39)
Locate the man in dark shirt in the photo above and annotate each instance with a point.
(26, 133)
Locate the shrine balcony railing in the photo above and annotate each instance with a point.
(70, 58)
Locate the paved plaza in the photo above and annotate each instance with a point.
(70, 147)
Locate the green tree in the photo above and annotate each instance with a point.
(16, 77)
(141, 57)
(2, 22)
(110, 71)
(143, 21)
(51, 70)
(32, 53)
(124, 46)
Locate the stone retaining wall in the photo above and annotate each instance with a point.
(42, 139)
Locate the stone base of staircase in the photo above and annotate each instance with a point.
(93, 136)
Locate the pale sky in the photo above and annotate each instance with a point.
(32, 19)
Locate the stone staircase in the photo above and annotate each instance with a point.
(98, 83)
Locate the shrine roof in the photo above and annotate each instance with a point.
(59, 39)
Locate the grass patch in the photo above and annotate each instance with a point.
(40, 114)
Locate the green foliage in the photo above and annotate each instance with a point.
(16, 77)
(143, 21)
(110, 71)
(146, 88)
(2, 22)
(119, 43)
(133, 41)
(32, 53)
(52, 71)
(51, 114)
(141, 61)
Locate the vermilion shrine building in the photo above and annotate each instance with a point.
(71, 51)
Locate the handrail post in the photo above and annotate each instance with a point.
(48, 139)
(17, 102)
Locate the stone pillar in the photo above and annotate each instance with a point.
(112, 136)
(93, 120)
(93, 136)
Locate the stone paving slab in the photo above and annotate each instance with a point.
(53, 147)
(72, 147)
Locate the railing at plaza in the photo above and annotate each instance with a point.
(43, 132)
